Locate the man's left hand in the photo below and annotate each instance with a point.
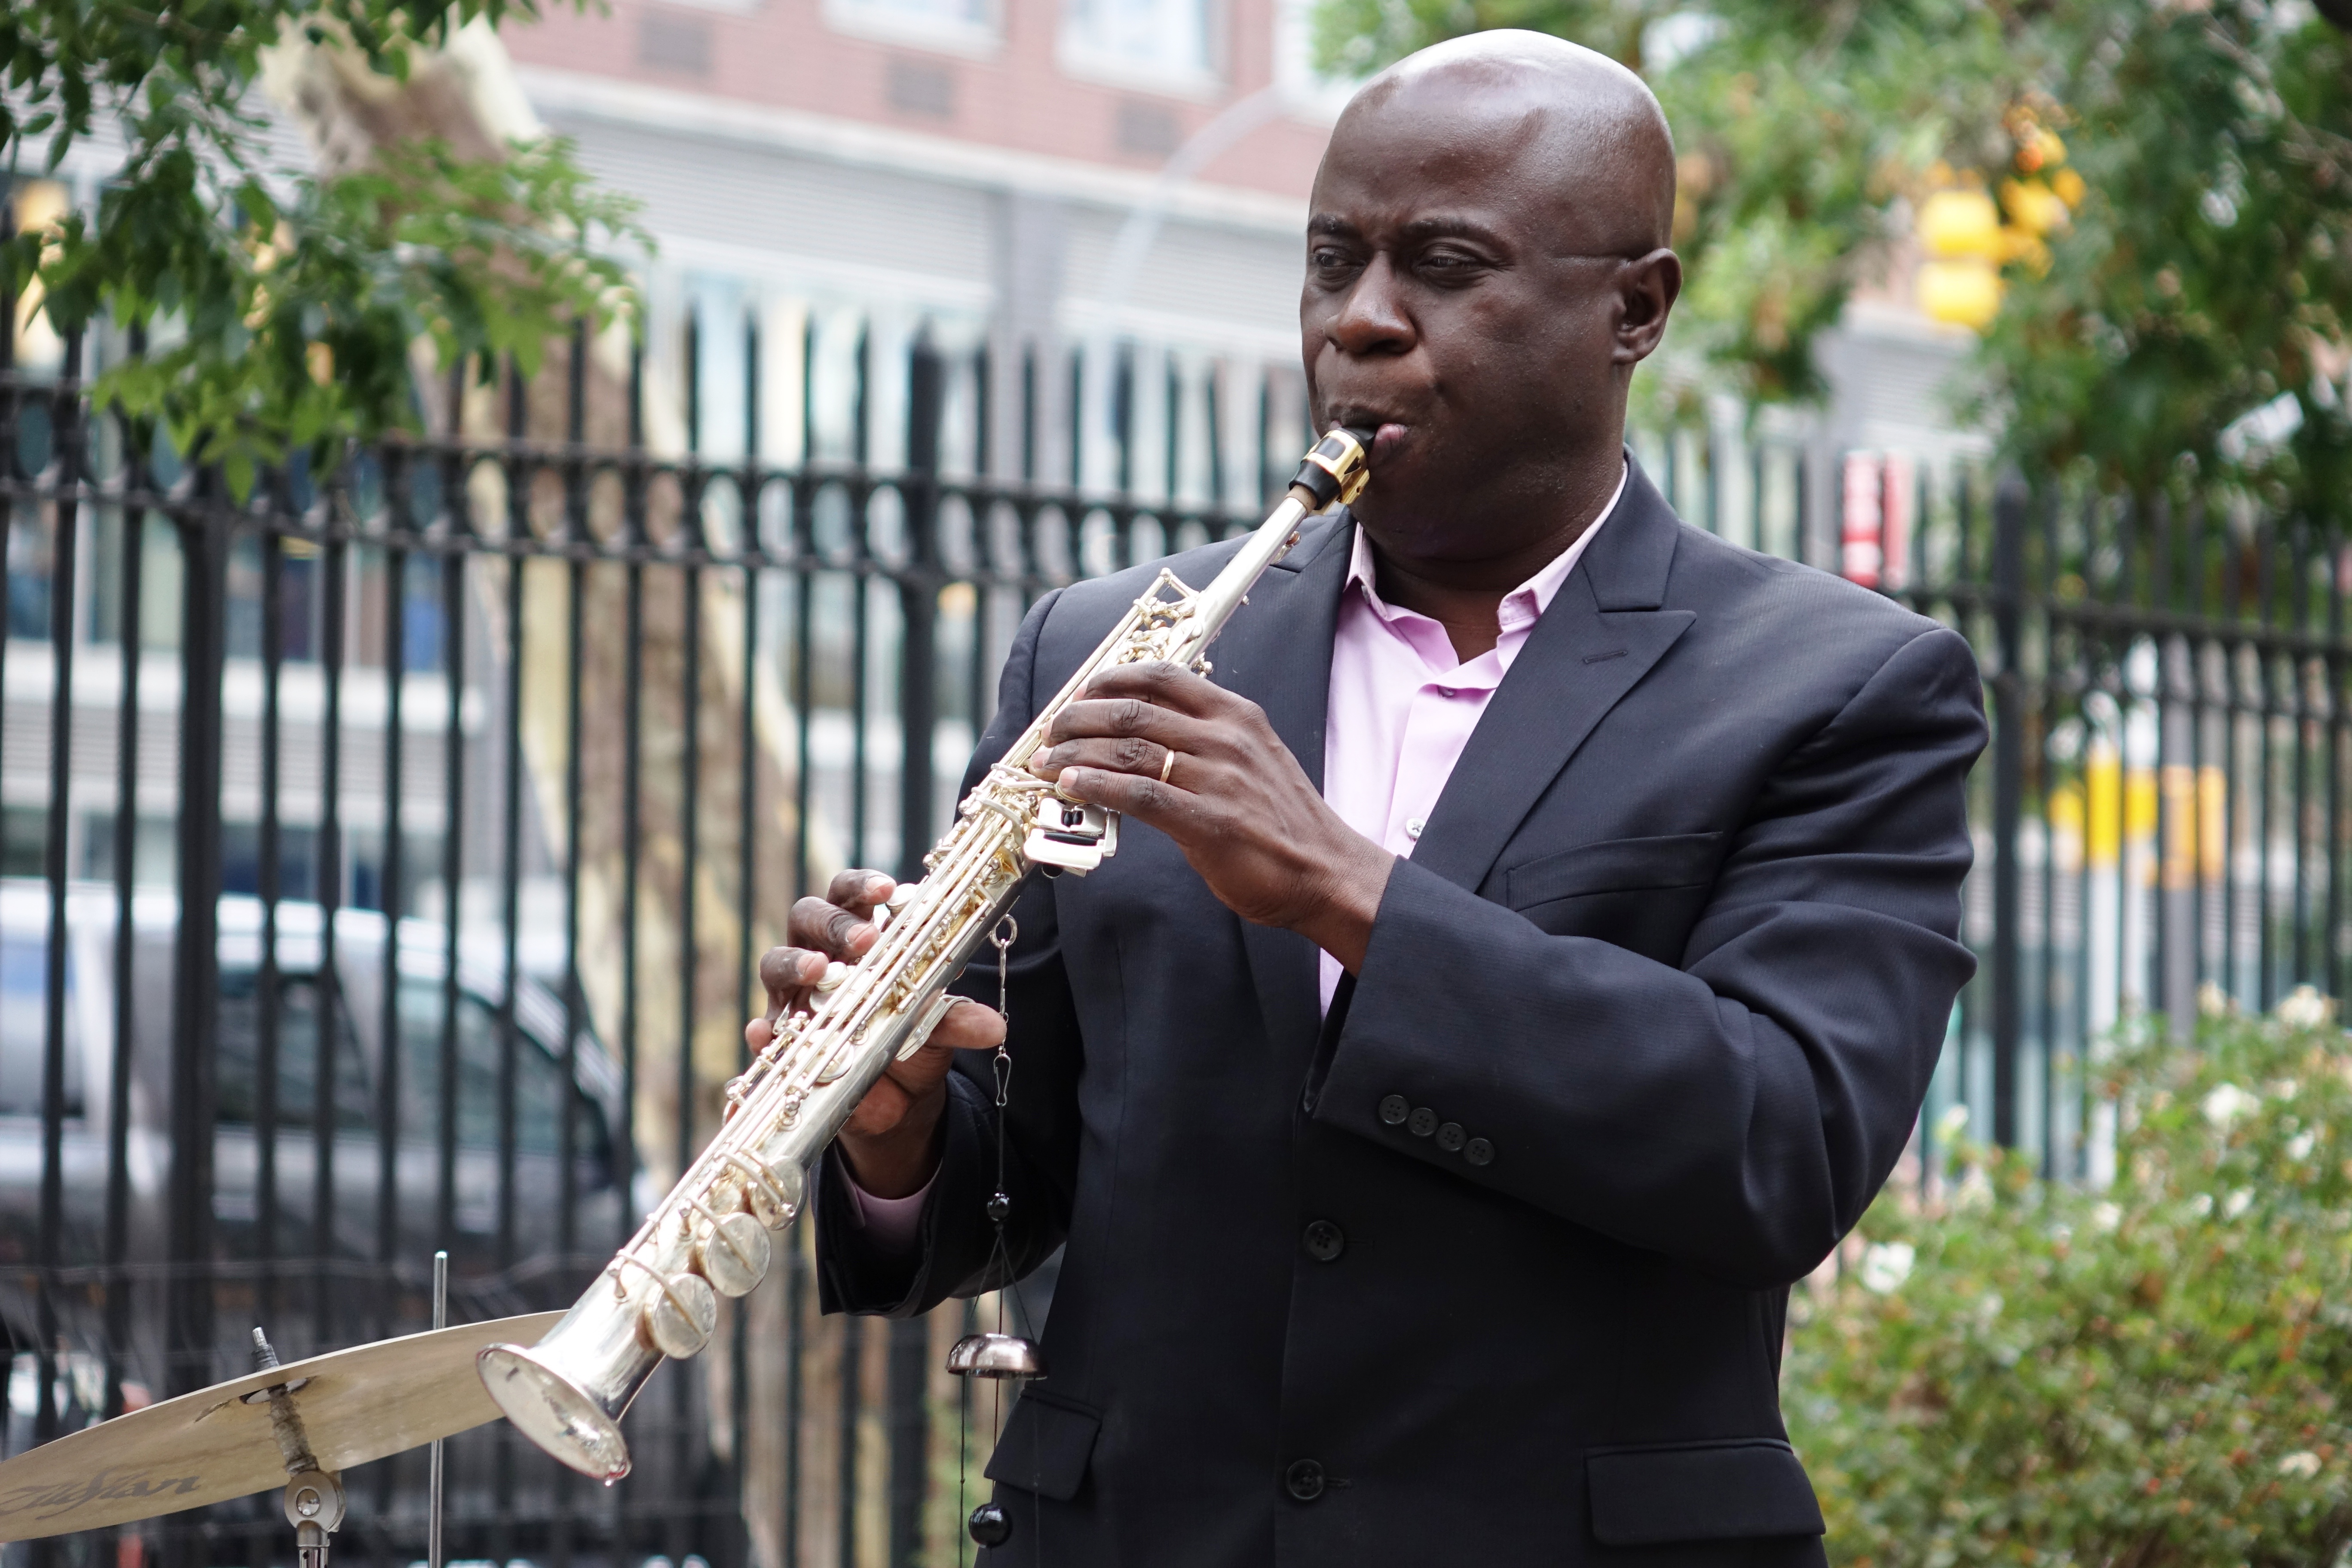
(1234, 800)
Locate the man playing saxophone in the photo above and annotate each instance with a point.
(1524, 958)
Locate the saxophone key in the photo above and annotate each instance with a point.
(770, 1195)
(677, 1314)
(921, 1035)
(680, 1316)
(733, 1254)
(838, 1062)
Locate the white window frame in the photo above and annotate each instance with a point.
(981, 38)
(1084, 60)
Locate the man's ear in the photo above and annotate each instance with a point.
(1647, 289)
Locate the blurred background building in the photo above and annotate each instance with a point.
(1106, 196)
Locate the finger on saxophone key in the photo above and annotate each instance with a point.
(835, 973)
(901, 895)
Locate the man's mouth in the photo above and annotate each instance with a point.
(1388, 435)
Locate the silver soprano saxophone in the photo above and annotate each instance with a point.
(710, 1237)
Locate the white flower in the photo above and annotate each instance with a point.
(2106, 1216)
(2215, 1002)
(2305, 1008)
(2284, 1089)
(1887, 1264)
(2238, 1203)
(2299, 1147)
(2226, 1103)
(2202, 1203)
(2306, 1463)
(1989, 1307)
(1951, 1124)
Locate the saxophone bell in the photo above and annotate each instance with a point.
(567, 1392)
(996, 1355)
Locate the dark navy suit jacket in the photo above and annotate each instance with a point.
(1644, 1021)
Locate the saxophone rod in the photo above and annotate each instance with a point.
(659, 1298)
(1334, 469)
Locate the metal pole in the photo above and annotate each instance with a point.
(204, 546)
(2009, 792)
(432, 1558)
(909, 1353)
(919, 604)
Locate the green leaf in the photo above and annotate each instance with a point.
(2210, 261)
(251, 263)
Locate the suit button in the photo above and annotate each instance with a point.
(1479, 1151)
(1424, 1122)
(1450, 1136)
(1325, 1241)
(1393, 1110)
(1304, 1480)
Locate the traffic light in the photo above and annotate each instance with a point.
(1969, 237)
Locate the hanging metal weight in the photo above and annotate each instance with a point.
(997, 1353)
(990, 1525)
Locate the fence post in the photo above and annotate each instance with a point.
(918, 602)
(67, 436)
(2009, 511)
(909, 1358)
(195, 984)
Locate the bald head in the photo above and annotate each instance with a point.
(1592, 130)
(1487, 260)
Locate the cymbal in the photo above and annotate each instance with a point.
(208, 1446)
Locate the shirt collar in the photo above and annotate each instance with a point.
(1523, 605)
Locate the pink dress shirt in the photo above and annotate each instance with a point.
(1401, 709)
(1403, 705)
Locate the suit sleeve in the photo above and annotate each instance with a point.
(1739, 1112)
(956, 1253)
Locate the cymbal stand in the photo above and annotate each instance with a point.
(314, 1496)
(432, 1507)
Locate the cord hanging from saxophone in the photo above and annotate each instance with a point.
(997, 1355)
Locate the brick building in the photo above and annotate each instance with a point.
(1106, 195)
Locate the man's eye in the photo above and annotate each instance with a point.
(1326, 259)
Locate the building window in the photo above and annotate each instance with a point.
(957, 27)
(674, 43)
(1309, 93)
(917, 87)
(1161, 44)
(1147, 130)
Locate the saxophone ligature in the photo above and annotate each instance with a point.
(710, 1237)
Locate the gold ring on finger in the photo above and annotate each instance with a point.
(1168, 764)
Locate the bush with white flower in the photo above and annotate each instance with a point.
(2156, 1375)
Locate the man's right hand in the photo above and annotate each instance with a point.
(891, 1140)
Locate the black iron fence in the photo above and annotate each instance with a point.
(387, 857)
(2160, 820)
(384, 857)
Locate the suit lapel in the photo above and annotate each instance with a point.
(1598, 636)
(1277, 651)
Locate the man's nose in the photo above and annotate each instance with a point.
(1371, 319)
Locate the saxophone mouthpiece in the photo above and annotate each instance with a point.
(1338, 467)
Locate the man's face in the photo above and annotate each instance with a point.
(1454, 302)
